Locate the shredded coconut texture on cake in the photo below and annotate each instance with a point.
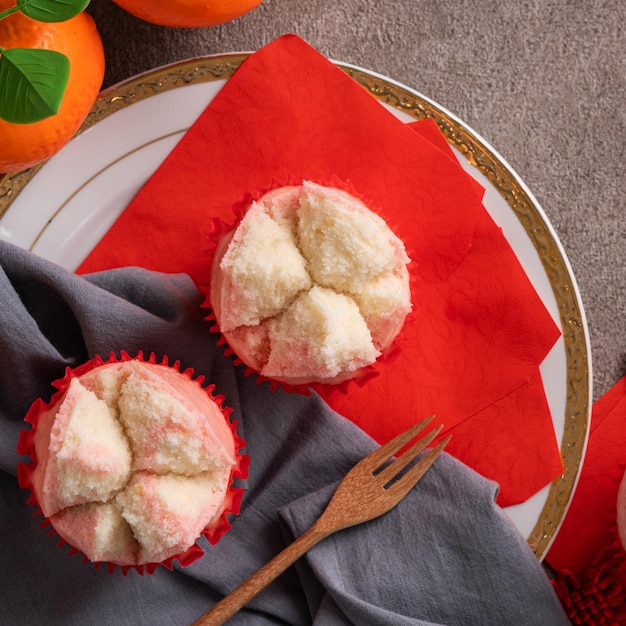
(93, 456)
(267, 267)
(321, 334)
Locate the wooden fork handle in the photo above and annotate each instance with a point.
(238, 598)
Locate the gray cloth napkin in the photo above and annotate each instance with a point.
(446, 555)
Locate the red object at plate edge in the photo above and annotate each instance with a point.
(320, 136)
(587, 556)
(590, 518)
(232, 500)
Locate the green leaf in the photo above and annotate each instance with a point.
(32, 84)
(52, 10)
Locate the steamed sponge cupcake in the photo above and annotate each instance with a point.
(311, 286)
(132, 461)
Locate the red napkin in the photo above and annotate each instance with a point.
(592, 511)
(471, 348)
(510, 439)
(587, 555)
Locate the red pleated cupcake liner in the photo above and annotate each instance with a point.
(222, 228)
(232, 500)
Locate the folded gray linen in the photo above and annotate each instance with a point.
(446, 555)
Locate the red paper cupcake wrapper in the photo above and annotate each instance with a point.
(221, 228)
(232, 500)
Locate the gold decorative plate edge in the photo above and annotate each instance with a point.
(478, 155)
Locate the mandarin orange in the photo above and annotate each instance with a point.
(25, 145)
(187, 13)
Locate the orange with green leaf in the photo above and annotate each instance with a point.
(51, 70)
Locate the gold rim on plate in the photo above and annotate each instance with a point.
(480, 156)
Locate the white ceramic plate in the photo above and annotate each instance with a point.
(61, 210)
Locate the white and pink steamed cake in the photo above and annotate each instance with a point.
(133, 462)
(311, 286)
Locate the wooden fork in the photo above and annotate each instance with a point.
(372, 487)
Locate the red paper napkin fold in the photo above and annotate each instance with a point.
(471, 348)
(587, 555)
(591, 514)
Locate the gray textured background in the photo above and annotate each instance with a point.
(543, 82)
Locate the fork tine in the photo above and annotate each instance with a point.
(394, 468)
(408, 481)
(385, 452)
